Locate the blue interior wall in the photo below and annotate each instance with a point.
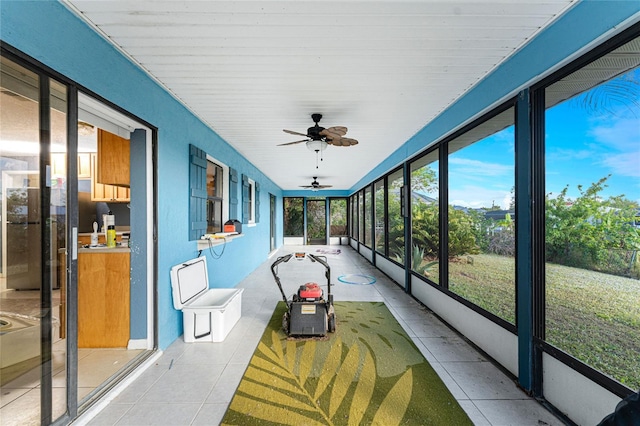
(51, 34)
(580, 26)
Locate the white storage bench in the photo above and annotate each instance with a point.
(208, 315)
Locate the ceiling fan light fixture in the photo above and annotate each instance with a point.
(317, 145)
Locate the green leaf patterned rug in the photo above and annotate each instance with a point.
(368, 372)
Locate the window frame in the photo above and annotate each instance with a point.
(250, 210)
(225, 190)
(539, 100)
(252, 202)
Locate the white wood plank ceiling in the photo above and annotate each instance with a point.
(383, 69)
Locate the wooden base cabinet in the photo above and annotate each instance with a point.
(103, 299)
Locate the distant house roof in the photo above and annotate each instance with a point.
(423, 198)
(500, 214)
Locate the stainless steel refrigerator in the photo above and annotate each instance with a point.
(23, 239)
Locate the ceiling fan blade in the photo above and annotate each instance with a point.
(324, 186)
(345, 142)
(340, 130)
(293, 143)
(291, 132)
(331, 137)
(306, 186)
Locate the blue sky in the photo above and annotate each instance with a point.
(582, 147)
(483, 174)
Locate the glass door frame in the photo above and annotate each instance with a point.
(44, 170)
(44, 75)
(314, 200)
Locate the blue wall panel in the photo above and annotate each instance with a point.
(51, 34)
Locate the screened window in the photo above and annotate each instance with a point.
(592, 157)
(367, 217)
(380, 234)
(316, 220)
(481, 210)
(338, 216)
(395, 220)
(361, 216)
(425, 216)
(353, 205)
(293, 217)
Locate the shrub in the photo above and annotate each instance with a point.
(587, 232)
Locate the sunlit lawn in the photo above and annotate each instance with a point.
(590, 315)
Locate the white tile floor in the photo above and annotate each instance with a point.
(192, 384)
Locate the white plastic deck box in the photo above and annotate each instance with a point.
(208, 314)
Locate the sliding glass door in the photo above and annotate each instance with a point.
(316, 221)
(33, 350)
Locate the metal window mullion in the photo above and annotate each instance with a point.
(385, 197)
(443, 207)
(523, 214)
(538, 233)
(406, 171)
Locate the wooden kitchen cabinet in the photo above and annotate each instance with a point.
(113, 166)
(107, 193)
(103, 298)
(59, 164)
(84, 165)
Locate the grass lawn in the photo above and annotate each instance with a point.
(593, 316)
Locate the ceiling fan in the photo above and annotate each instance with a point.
(318, 137)
(331, 136)
(315, 185)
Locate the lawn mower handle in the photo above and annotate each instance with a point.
(278, 261)
(323, 260)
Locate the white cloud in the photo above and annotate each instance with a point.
(621, 134)
(627, 164)
(479, 168)
(479, 196)
(568, 155)
(620, 139)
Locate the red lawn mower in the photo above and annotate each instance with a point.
(308, 312)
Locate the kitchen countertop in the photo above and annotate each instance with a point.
(105, 250)
(88, 234)
(101, 250)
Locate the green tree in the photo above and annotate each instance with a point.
(426, 228)
(424, 180)
(462, 239)
(293, 217)
(503, 240)
(396, 226)
(583, 232)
